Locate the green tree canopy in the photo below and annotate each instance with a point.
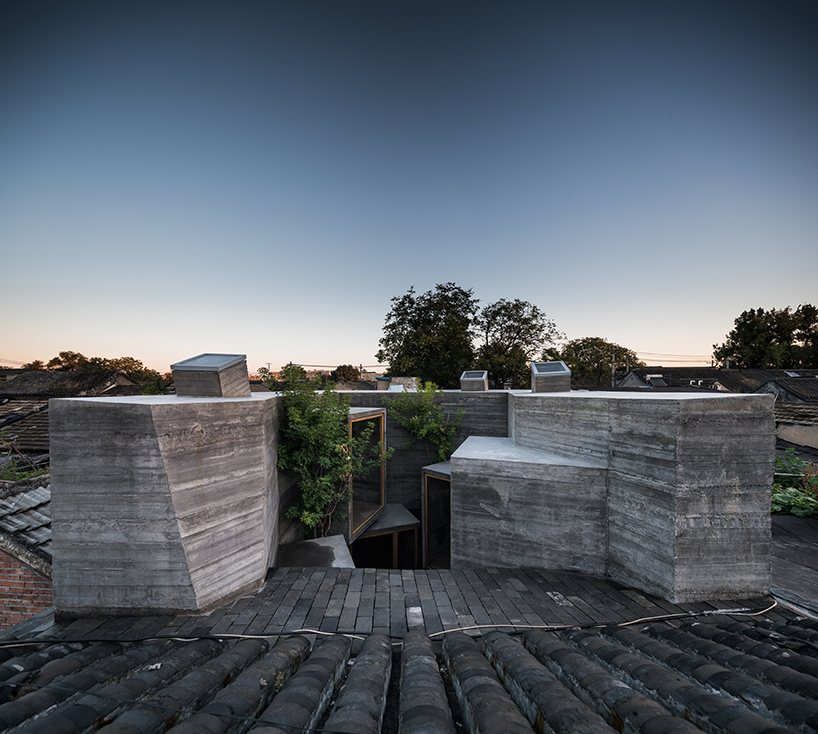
(291, 374)
(778, 338)
(75, 362)
(589, 360)
(512, 333)
(430, 336)
(346, 372)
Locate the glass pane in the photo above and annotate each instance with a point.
(367, 490)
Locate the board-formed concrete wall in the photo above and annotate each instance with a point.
(162, 503)
(516, 506)
(484, 414)
(687, 486)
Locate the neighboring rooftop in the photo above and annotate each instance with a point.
(58, 384)
(25, 521)
(606, 657)
(734, 380)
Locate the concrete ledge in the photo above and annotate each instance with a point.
(517, 506)
(679, 505)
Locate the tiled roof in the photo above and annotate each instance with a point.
(803, 413)
(25, 521)
(58, 384)
(735, 380)
(805, 388)
(718, 673)
(25, 423)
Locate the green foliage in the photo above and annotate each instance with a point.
(589, 360)
(793, 501)
(290, 374)
(513, 333)
(796, 488)
(430, 336)
(419, 415)
(76, 362)
(155, 388)
(346, 372)
(15, 465)
(315, 444)
(778, 338)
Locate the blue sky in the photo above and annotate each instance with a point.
(262, 177)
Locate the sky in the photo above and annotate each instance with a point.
(262, 177)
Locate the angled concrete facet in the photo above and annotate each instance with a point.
(668, 493)
(162, 503)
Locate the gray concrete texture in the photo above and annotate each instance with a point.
(233, 382)
(162, 503)
(167, 503)
(484, 414)
(685, 503)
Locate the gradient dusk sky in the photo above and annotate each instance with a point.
(262, 177)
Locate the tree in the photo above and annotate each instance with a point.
(290, 374)
(346, 372)
(132, 367)
(513, 333)
(316, 444)
(430, 336)
(590, 359)
(75, 362)
(67, 362)
(778, 339)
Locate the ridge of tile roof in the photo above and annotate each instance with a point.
(723, 673)
(806, 388)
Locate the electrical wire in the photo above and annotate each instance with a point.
(355, 635)
(741, 611)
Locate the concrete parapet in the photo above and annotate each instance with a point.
(162, 503)
(686, 508)
(516, 506)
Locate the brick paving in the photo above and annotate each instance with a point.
(394, 602)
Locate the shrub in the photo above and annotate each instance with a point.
(315, 444)
(419, 415)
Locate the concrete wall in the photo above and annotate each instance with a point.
(484, 414)
(162, 503)
(687, 486)
(516, 506)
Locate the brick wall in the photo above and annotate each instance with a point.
(23, 591)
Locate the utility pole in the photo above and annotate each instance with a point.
(613, 368)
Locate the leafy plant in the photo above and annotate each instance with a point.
(419, 415)
(315, 444)
(794, 501)
(796, 488)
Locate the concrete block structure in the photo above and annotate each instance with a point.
(212, 375)
(550, 377)
(668, 493)
(474, 380)
(162, 504)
